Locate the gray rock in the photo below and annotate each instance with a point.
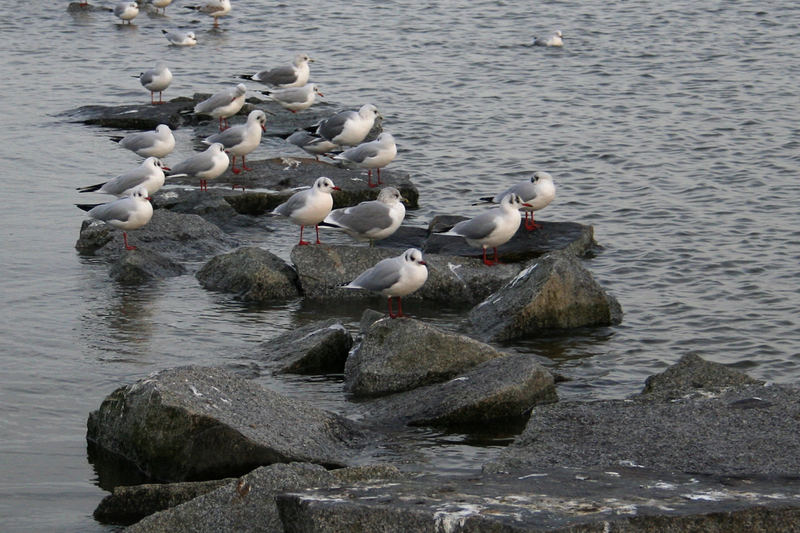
(252, 274)
(77, 8)
(143, 116)
(248, 505)
(138, 266)
(401, 354)
(193, 423)
(553, 292)
(318, 348)
(369, 317)
(692, 373)
(495, 392)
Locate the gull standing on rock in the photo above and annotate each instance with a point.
(214, 8)
(156, 79)
(538, 192)
(180, 38)
(493, 228)
(294, 75)
(223, 104)
(374, 154)
(394, 277)
(554, 40)
(130, 212)
(372, 220)
(312, 144)
(309, 207)
(126, 11)
(295, 98)
(349, 128)
(241, 139)
(205, 165)
(158, 143)
(149, 174)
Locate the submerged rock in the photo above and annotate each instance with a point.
(318, 348)
(252, 274)
(140, 265)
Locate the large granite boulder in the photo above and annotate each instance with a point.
(317, 348)
(251, 274)
(134, 267)
(194, 423)
(553, 292)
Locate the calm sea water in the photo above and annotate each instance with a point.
(670, 127)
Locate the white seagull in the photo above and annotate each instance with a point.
(493, 228)
(374, 154)
(157, 143)
(312, 144)
(538, 192)
(554, 40)
(205, 165)
(126, 11)
(294, 75)
(372, 220)
(223, 104)
(242, 139)
(180, 38)
(295, 98)
(349, 128)
(310, 206)
(394, 277)
(149, 174)
(162, 4)
(130, 212)
(214, 8)
(156, 79)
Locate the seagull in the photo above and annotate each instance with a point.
(553, 40)
(158, 143)
(149, 174)
(126, 11)
(295, 98)
(493, 228)
(180, 38)
(215, 8)
(374, 154)
(348, 128)
(241, 139)
(156, 79)
(294, 75)
(312, 144)
(223, 104)
(130, 212)
(538, 192)
(310, 206)
(372, 220)
(394, 277)
(205, 165)
(161, 4)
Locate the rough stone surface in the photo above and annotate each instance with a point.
(133, 267)
(401, 354)
(492, 393)
(252, 274)
(556, 291)
(194, 423)
(692, 373)
(318, 348)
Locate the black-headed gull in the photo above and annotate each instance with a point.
(374, 154)
(156, 80)
(394, 277)
(180, 38)
(554, 40)
(312, 144)
(242, 139)
(205, 165)
(214, 8)
(157, 143)
(294, 75)
(372, 220)
(223, 104)
(295, 98)
(130, 212)
(161, 4)
(149, 174)
(126, 11)
(349, 128)
(538, 192)
(493, 228)
(309, 207)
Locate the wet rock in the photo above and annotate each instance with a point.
(318, 348)
(136, 116)
(252, 274)
(248, 505)
(553, 292)
(138, 266)
(402, 354)
(129, 504)
(495, 392)
(77, 8)
(194, 423)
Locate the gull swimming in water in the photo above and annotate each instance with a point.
(130, 212)
(180, 38)
(554, 40)
(309, 207)
(394, 277)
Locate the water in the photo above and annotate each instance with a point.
(671, 128)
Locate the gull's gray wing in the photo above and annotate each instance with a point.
(334, 125)
(296, 202)
(360, 153)
(277, 76)
(476, 228)
(147, 76)
(117, 210)
(380, 277)
(193, 165)
(138, 141)
(218, 100)
(361, 218)
(126, 181)
(230, 137)
(526, 190)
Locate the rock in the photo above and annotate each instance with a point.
(402, 354)
(495, 392)
(248, 505)
(252, 274)
(138, 266)
(129, 504)
(692, 373)
(318, 348)
(141, 116)
(553, 292)
(194, 423)
(369, 317)
(77, 8)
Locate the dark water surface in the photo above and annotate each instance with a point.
(670, 127)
